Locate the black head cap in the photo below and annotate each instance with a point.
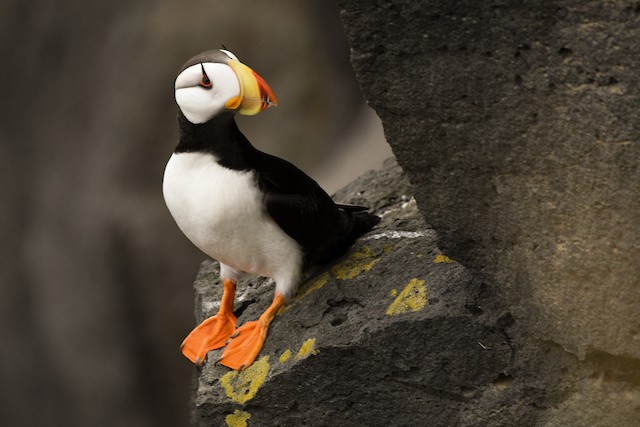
(215, 56)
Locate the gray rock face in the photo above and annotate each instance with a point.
(517, 124)
(397, 334)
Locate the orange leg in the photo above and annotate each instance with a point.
(215, 331)
(247, 341)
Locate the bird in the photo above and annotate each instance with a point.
(253, 212)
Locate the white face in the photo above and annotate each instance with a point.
(202, 96)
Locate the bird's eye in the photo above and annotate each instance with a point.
(204, 81)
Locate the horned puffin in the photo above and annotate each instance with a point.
(253, 212)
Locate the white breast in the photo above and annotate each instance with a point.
(221, 211)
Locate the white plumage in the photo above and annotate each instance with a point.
(221, 211)
(199, 105)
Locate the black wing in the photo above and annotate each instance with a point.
(300, 207)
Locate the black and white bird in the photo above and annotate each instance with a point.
(253, 212)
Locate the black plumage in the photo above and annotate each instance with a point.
(297, 204)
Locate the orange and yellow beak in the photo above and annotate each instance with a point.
(255, 93)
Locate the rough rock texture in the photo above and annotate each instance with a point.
(397, 334)
(516, 122)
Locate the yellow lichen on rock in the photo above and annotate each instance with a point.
(237, 419)
(242, 386)
(314, 285)
(441, 259)
(307, 348)
(357, 263)
(354, 265)
(412, 298)
(286, 355)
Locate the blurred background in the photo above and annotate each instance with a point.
(95, 277)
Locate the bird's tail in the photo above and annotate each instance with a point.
(363, 222)
(356, 222)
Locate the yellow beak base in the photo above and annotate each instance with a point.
(255, 93)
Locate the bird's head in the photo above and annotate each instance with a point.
(216, 81)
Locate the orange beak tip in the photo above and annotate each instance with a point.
(266, 93)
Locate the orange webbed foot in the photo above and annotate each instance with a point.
(247, 341)
(214, 332)
(244, 346)
(211, 334)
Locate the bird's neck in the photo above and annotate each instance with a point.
(219, 136)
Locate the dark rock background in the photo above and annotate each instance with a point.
(517, 124)
(95, 278)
